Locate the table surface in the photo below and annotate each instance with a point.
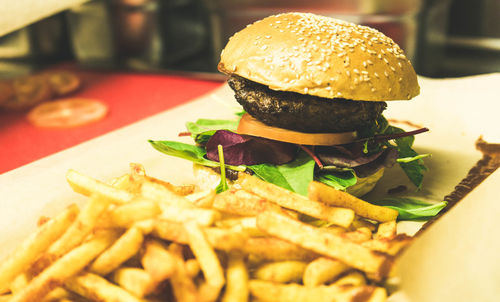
(130, 97)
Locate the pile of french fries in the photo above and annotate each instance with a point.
(138, 238)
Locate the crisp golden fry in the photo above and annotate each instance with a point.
(127, 214)
(275, 249)
(134, 280)
(237, 280)
(157, 260)
(192, 267)
(386, 230)
(219, 238)
(145, 226)
(374, 264)
(60, 294)
(26, 254)
(19, 283)
(75, 234)
(87, 186)
(324, 193)
(182, 284)
(281, 272)
(5, 298)
(125, 247)
(275, 292)
(290, 200)
(207, 258)
(322, 271)
(204, 199)
(160, 193)
(389, 246)
(359, 235)
(241, 202)
(96, 288)
(204, 217)
(248, 225)
(353, 278)
(64, 268)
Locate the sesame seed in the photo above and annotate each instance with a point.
(373, 89)
(356, 71)
(376, 75)
(348, 73)
(386, 74)
(392, 68)
(268, 37)
(264, 47)
(400, 80)
(364, 64)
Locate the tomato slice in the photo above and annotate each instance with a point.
(29, 91)
(6, 91)
(69, 112)
(251, 126)
(63, 82)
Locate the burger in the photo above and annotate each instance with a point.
(313, 90)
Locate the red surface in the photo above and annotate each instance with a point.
(130, 97)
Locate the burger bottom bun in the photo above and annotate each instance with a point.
(365, 184)
(208, 179)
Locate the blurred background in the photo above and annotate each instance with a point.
(443, 38)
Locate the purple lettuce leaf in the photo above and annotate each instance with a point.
(249, 150)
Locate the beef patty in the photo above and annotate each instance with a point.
(304, 113)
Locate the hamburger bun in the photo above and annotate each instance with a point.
(320, 56)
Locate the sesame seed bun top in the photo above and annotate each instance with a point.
(320, 56)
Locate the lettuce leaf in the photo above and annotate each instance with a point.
(411, 208)
(339, 180)
(294, 176)
(189, 152)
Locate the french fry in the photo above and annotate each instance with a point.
(64, 268)
(275, 249)
(204, 199)
(323, 270)
(59, 294)
(19, 283)
(324, 193)
(389, 246)
(275, 292)
(87, 186)
(241, 202)
(204, 217)
(75, 234)
(125, 247)
(353, 278)
(237, 280)
(145, 226)
(374, 264)
(27, 253)
(386, 230)
(160, 193)
(281, 272)
(192, 267)
(95, 287)
(290, 200)
(157, 260)
(134, 280)
(359, 235)
(182, 284)
(219, 238)
(126, 215)
(5, 298)
(208, 260)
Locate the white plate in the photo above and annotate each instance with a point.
(448, 107)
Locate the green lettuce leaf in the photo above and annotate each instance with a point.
(189, 152)
(294, 176)
(410, 208)
(339, 180)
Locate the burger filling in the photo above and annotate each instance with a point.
(301, 112)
